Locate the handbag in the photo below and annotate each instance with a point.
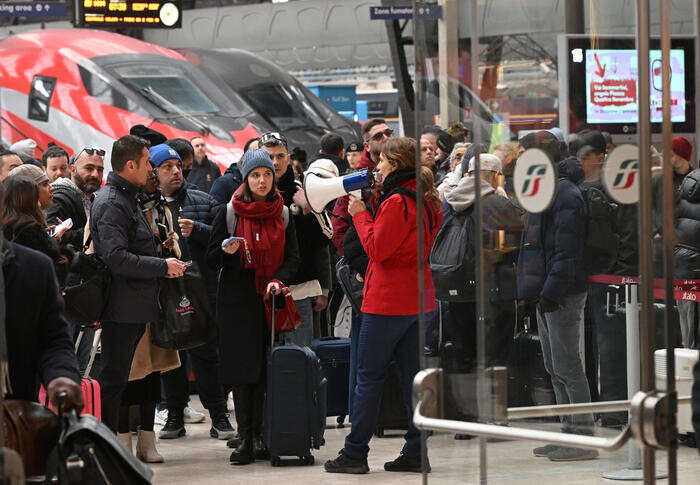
(287, 316)
(185, 320)
(86, 290)
(351, 285)
(32, 430)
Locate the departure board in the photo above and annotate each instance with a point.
(120, 14)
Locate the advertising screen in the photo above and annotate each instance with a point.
(611, 86)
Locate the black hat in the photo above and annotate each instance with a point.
(445, 142)
(152, 136)
(355, 147)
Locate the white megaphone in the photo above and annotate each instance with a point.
(320, 191)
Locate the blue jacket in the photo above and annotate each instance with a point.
(201, 208)
(551, 252)
(224, 186)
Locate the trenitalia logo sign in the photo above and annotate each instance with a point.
(535, 174)
(620, 174)
(534, 180)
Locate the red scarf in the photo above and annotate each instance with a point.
(262, 226)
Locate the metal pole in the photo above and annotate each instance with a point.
(418, 59)
(478, 250)
(668, 236)
(645, 210)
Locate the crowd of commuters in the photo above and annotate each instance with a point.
(165, 206)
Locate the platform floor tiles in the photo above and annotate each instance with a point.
(198, 459)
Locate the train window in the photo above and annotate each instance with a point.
(106, 93)
(40, 97)
(168, 87)
(281, 107)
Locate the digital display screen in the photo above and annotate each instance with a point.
(117, 14)
(611, 86)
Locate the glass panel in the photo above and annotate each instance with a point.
(545, 91)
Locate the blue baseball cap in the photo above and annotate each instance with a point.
(161, 153)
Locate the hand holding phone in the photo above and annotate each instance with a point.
(60, 229)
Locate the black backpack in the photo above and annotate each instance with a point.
(452, 259)
(602, 241)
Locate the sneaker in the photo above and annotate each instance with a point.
(192, 416)
(544, 450)
(346, 464)
(174, 427)
(572, 454)
(221, 427)
(405, 463)
(161, 417)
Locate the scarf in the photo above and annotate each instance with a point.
(393, 180)
(262, 226)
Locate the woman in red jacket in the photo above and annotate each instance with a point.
(390, 302)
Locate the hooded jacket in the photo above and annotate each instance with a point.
(551, 261)
(204, 175)
(224, 187)
(69, 202)
(687, 247)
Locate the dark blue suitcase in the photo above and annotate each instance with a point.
(295, 407)
(334, 354)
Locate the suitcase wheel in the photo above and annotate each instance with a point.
(307, 459)
(340, 420)
(275, 461)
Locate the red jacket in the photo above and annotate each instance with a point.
(366, 161)
(390, 240)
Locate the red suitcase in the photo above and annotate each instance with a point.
(91, 396)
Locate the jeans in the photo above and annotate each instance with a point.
(355, 327)
(303, 335)
(560, 335)
(611, 340)
(205, 365)
(85, 347)
(687, 312)
(383, 338)
(432, 329)
(119, 342)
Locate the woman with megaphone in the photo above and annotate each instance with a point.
(253, 248)
(390, 301)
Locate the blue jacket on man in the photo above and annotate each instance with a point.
(551, 263)
(224, 187)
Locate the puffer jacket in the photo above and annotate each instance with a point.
(223, 188)
(124, 241)
(687, 248)
(68, 204)
(551, 262)
(201, 208)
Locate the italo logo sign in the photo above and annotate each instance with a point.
(534, 180)
(621, 174)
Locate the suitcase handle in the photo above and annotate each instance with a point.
(272, 319)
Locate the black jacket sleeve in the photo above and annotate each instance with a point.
(216, 257)
(56, 357)
(63, 208)
(292, 259)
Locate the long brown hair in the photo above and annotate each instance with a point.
(19, 201)
(402, 152)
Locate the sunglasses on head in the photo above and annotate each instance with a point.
(91, 151)
(378, 136)
(273, 138)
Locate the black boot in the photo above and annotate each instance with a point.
(244, 453)
(258, 409)
(260, 448)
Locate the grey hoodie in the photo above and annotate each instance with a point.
(499, 212)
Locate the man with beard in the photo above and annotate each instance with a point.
(72, 197)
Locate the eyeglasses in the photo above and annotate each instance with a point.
(273, 138)
(378, 136)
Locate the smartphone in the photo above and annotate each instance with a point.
(63, 226)
(227, 242)
(187, 263)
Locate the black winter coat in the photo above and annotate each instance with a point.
(38, 345)
(313, 245)
(551, 262)
(240, 311)
(68, 204)
(201, 208)
(30, 234)
(124, 241)
(204, 175)
(224, 187)
(687, 247)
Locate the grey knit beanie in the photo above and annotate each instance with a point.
(255, 159)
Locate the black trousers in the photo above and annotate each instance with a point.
(205, 365)
(119, 341)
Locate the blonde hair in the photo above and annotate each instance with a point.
(402, 152)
